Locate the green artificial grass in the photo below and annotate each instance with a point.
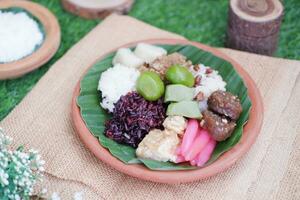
(198, 20)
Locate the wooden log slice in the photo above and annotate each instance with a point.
(93, 9)
(253, 25)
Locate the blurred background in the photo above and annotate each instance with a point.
(204, 21)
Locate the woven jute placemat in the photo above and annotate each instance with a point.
(270, 170)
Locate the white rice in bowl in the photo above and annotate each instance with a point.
(115, 82)
(210, 82)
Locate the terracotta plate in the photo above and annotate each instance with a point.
(251, 130)
(44, 52)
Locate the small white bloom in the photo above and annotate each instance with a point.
(78, 195)
(44, 191)
(17, 197)
(41, 169)
(42, 162)
(55, 196)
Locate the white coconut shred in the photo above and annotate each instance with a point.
(210, 82)
(19, 36)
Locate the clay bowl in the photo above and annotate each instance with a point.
(44, 52)
(251, 131)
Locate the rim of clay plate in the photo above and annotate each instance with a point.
(250, 133)
(44, 52)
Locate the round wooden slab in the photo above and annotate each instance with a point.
(250, 133)
(93, 9)
(44, 52)
(253, 25)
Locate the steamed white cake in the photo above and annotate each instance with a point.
(149, 53)
(127, 58)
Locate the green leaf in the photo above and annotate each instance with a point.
(95, 117)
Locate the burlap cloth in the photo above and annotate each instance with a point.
(270, 170)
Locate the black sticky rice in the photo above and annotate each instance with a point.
(133, 117)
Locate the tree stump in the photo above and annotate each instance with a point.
(253, 25)
(94, 9)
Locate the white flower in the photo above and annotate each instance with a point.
(55, 196)
(44, 191)
(78, 195)
(18, 169)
